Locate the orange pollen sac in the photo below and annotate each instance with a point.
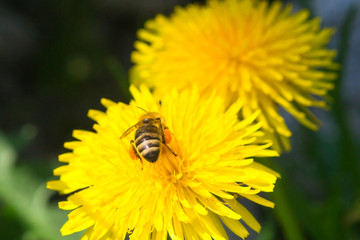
(167, 135)
(132, 153)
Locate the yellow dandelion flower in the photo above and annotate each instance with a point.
(187, 196)
(246, 49)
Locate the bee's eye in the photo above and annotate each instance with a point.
(158, 119)
(147, 120)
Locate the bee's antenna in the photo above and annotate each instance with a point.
(142, 109)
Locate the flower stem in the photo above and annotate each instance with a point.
(284, 213)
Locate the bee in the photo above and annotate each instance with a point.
(150, 135)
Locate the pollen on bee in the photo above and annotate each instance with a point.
(167, 135)
(132, 153)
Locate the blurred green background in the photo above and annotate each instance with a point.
(58, 58)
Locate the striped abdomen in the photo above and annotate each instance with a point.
(148, 142)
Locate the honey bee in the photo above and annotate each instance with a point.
(150, 135)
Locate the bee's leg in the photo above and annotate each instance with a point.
(162, 133)
(135, 153)
(170, 149)
(166, 137)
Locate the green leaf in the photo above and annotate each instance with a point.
(28, 198)
(7, 157)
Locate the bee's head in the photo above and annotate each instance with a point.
(151, 117)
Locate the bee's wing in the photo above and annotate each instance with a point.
(130, 129)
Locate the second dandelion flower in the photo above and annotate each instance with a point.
(251, 50)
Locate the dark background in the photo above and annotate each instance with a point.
(59, 58)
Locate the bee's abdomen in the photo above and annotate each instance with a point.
(147, 141)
